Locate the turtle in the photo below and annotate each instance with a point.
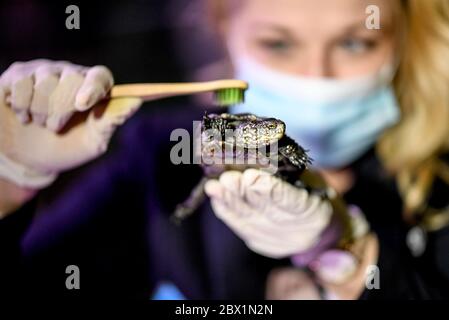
(242, 141)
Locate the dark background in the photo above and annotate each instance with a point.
(139, 40)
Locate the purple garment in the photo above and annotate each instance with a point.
(112, 219)
(328, 240)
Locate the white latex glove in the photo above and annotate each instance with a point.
(274, 218)
(37, 99)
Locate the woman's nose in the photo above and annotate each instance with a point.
(314, 64)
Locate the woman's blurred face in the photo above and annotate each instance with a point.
(313, 38)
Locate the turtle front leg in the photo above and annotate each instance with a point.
(193, 202)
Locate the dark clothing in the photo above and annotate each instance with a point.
(111, 219)
(402, 276)
(113, 223)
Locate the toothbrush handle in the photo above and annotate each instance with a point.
(154, 91)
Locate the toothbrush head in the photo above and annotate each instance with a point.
(231, 95)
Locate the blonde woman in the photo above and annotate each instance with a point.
(345, 89)
(371, 105)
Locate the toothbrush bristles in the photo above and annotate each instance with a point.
(229, 97)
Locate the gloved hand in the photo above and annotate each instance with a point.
(37, 100)
(330, 273)
(336, 266)
(274, 218)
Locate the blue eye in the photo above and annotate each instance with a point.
(357, 46)
(275, 45)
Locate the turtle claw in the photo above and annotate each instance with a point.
(189, 206)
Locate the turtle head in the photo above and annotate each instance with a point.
(261, 132)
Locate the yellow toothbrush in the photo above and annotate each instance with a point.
(227, 92)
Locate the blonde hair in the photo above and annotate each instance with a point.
(411, 149)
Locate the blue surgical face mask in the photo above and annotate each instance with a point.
(336, 120)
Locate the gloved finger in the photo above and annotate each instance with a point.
(14, 70)
(229, 217)
(21, 95)
(257, 226)
(231, 181)
(96, 85)
(236, 207)
(62, 100)
(269, 244)
(314, 219)
(244, 229)
(273, 240)
(335, 266)
(317, 205)
(231, 193)
(283, 204)
(251, 176)
(46, 80)
(104, 120)
(233, 202)
(242, 196)
(256, 192)
(262, 188)
(214, 189)
(294, 238)
(256, 188)
(291, 199)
